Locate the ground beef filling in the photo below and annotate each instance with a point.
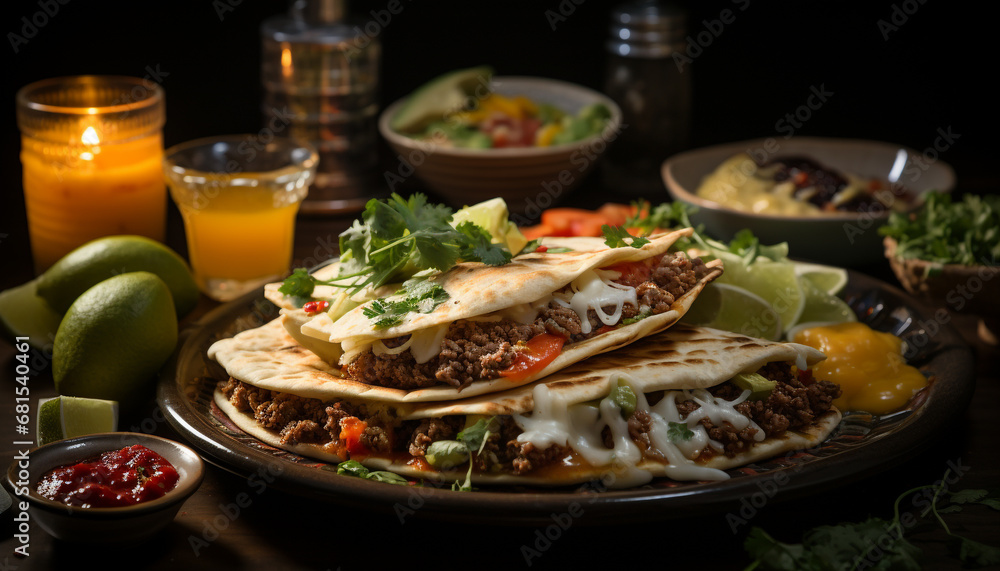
(477, 350)
(311, 421)
(794, 404)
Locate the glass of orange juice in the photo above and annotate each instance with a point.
(238, 196)
(91, 154)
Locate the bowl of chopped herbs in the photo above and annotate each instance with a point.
(948, 252)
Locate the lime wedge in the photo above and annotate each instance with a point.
(731, 308)
(823, 307)
(774, 282)
(24, 314)
(493, 216)
(827, 278)
(67, 417)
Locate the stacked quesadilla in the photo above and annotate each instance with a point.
(563, 366)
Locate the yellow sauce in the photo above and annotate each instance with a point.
(867, 364)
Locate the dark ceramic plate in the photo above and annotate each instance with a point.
(861, 446)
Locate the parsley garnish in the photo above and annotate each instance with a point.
(615, 236)
(397, 238)
(858, 545)
(679, 431)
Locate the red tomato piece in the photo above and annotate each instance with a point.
(351, 429)
(540, 351)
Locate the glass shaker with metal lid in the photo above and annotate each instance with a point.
(321, 83)
(653, 92)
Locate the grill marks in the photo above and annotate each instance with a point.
(477, 350)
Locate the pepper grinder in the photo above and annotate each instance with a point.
(320, 75)
(653, 91)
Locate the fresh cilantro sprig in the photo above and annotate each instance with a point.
(616, 236)
(396, 238)
(855, 545)
(419, 296)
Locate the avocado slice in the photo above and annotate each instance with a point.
(438, 97)
(759, 386)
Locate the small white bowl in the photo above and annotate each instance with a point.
(528, 178)
(103, 525)
(843, 239)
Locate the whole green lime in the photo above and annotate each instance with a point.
(103, 258)
(114, 339)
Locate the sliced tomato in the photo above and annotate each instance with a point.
(351, 429)
(539, 231)
(574, 221)
(540, 351)
(633, 273)
(616, 214)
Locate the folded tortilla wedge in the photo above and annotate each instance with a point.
(595, 297)
(666, 406)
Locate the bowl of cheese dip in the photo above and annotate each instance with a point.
(826, 197)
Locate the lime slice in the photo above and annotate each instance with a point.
(774, 282)
(824, 307)
(493, 216)
(827, 278)
(67, 417)
(731, 308)
(24, 314)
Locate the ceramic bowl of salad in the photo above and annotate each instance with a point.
(826, 197)
(110, 487)
(470, 136)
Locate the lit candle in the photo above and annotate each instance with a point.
(91, 155)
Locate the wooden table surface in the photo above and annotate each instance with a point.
(233, 522)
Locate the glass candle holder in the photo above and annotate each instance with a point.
(239, 197)
(91, 155)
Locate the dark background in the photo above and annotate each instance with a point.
(930, 73)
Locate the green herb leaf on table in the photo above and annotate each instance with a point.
(871, 544)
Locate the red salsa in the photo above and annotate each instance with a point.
(117, 478)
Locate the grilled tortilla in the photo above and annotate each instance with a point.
(687, 420)
(582, 291)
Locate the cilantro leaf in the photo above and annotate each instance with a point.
(679, 431)
(972, 552)
(615, 236)
(419, 295)
(478, 244)
(395, 239)
(967, 496)
(663, 216)
(299, 284)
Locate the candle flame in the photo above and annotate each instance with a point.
(90, 137)
(286, 62)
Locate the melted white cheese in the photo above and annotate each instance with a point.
(424, 344)
(580, 427)
(595, 290)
